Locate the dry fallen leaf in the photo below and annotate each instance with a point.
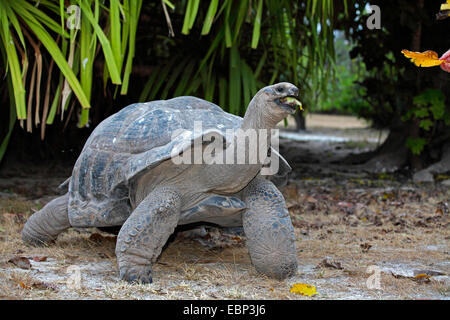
(330, 264)
(21, 262)
(430, 273)
(71, 257)
(291, 191)
(352, 273)
(418, 277)
(365, 247)
(44, 286)
(98, 238)
(303, 289)
(24, 286)
(311, 199)
(421, 278)
(423, 59)
(38, 285)
(39, 259)
(344, 204)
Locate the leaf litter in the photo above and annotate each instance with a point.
(402, 227)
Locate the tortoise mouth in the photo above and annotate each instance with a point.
(289, 103)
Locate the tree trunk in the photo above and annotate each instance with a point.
(414, 131)
(300, 121)
(443, 166)
(389, 157)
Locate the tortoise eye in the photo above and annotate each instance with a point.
(280, 89)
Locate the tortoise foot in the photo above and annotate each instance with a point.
(136, 274)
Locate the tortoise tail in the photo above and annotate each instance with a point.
(64, 186)
(45, 225)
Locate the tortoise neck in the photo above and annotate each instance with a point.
(257, 117)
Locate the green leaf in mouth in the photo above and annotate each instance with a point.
(292, 102)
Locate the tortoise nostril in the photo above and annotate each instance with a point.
(293, 91)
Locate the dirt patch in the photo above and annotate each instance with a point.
(321, 121)
(353, 230)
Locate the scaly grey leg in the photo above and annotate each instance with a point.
(145, 232)
(269, 230)
(45, 225)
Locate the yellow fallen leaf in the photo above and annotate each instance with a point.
(303, 289)
(423, 59)
(422, 276)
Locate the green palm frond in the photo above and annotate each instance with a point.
(44, 21)
(242, 45)
(292, 40)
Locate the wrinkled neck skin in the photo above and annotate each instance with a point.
(257, 116)
(230, 178)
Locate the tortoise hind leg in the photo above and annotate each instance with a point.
(45, 225)
(145, 232)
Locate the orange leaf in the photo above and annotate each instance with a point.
(39, 259)
(23, 285)
(423, 59)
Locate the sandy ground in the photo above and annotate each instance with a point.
(323, 121)
(358, 236)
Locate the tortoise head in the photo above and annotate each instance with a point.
(272, 104)
(281, 98)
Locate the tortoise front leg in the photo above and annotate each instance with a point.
(269, 230)
(145, 232)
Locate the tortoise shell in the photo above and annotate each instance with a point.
(135, 139)
(128, 143)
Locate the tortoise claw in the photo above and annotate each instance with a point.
(136, 274)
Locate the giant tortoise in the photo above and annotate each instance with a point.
(125, 176)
